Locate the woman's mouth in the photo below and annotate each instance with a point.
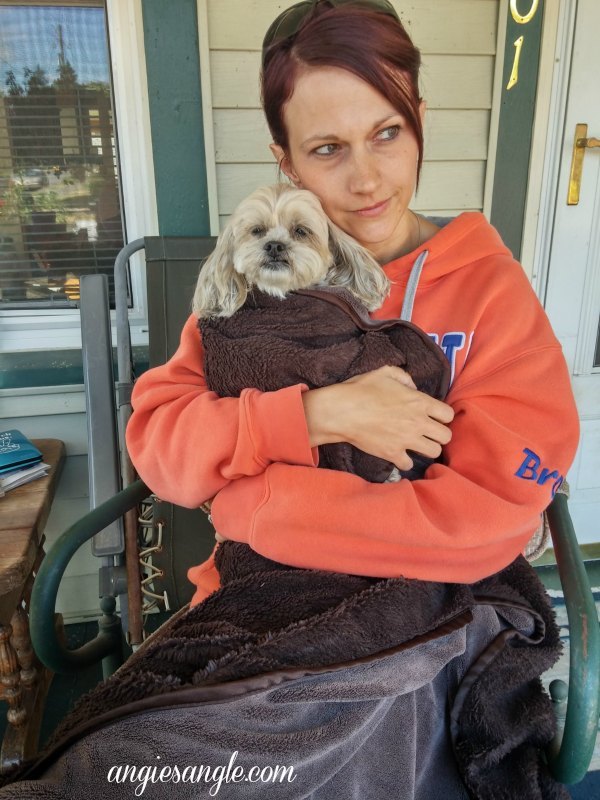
(373, 211)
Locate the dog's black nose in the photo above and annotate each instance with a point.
(274, 248)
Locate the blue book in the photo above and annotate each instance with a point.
(17, 452)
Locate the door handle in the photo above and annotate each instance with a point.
(580, 144)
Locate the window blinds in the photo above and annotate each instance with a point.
(60, 207)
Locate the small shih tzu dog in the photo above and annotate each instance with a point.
(279, 240)
(284, 300)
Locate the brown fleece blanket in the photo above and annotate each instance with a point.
(349, 685)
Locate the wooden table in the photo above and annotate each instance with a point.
(23, 680)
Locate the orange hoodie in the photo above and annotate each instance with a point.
(514, 436)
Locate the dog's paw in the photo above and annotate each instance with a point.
(394, 476)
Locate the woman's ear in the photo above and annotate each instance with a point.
(284, 163)
(422, 110)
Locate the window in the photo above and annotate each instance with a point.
(60, 206)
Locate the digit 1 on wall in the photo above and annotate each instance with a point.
(520, 19)
(514, 75)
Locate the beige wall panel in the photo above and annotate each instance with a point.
(447, 81)
(451, 26)
(49, 413)
(65, 511)
(78, 594)
(444, 184)
(241, 24)
(451, 185)
(456, 135)
(235, 181)
(74, 481)
(71, 428)
(234, 78)
(49, 400)
(78, 598)
(241, 136)
(443, 26)
(457, 81)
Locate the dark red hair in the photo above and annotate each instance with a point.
(373, 46)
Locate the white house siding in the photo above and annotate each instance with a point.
(59, 413)
(458, 44)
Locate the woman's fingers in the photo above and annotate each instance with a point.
(427, 447)
(437, 431)
(440, 411)
(403, 462)
(383, 414)
(435, 408)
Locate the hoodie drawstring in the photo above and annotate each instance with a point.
(412, 285)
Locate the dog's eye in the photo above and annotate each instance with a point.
(301, 232)
(258, 230)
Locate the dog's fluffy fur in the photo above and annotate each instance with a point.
(278, 240)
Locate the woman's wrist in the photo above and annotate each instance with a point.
(320, 411)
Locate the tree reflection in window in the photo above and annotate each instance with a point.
(60, 210)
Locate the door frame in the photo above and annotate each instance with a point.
(548, 133)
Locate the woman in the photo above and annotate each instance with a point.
(340, 92)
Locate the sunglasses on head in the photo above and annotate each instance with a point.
(290, 21)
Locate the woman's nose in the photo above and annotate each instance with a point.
(364, 173)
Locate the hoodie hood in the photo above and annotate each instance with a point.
(460, 287)
(461, 241)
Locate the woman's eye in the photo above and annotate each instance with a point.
(258, 230)
(389, 133)
(326, 150)
(300, 232)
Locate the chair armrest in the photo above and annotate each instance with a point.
(570, 762)
(48, 647)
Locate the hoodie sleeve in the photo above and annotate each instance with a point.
(514, 436)
(187, 443)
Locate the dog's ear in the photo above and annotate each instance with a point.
(220, 290)
(356, 269)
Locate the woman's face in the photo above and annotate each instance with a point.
(350, 146)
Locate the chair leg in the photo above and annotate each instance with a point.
(110, 624)
(10, 678)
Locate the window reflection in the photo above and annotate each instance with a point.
(60, 210)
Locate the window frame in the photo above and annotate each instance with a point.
(20, 329)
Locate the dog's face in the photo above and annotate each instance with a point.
(280, 240)
(277, 240)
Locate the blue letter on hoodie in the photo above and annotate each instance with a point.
(528, 470)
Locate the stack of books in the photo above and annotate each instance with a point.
(20, 461)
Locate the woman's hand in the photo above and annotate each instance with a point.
(380, 412)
